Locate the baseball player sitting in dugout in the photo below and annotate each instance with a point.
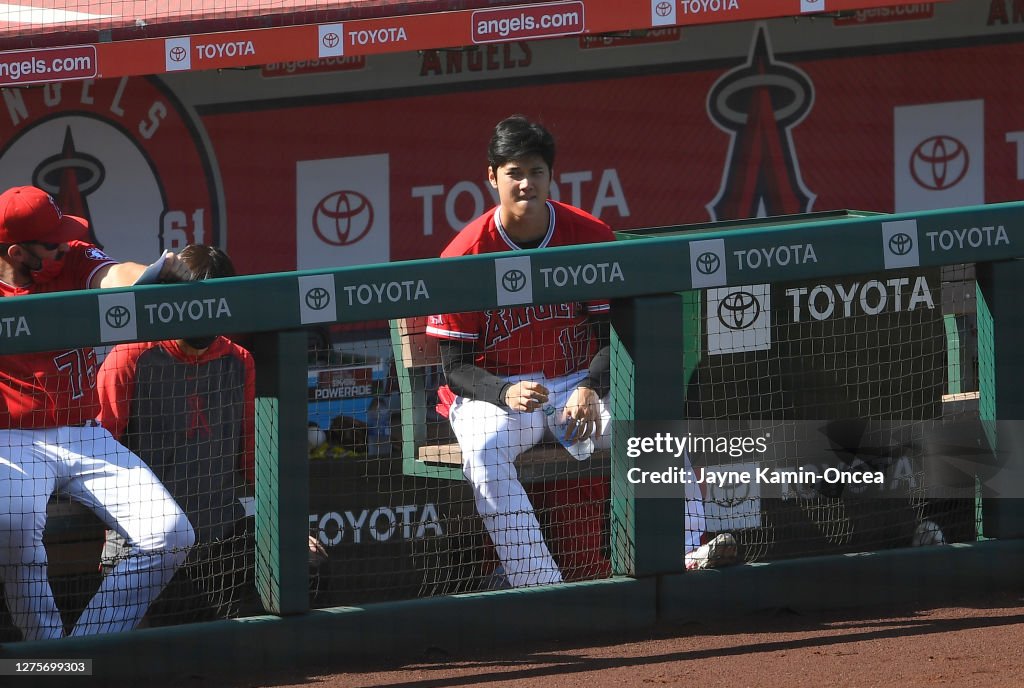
(187, 408)
(504, 366)
(518, 374)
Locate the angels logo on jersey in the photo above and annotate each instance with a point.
(124, 154)
(501, 324)
(758, 104)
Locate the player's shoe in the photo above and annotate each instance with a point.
(719, 551)
(928, 533)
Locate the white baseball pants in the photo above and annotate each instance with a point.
(491, 437)
(90, 466)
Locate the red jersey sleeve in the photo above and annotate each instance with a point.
(83, 262)
(477, 237)
(464, 327)
(115, 387)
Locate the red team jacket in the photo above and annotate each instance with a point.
(192, 420)
(554, 339)
(52, 388)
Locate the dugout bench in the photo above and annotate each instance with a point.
(73, 538)
(428, 447)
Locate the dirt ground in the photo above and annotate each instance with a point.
(980, 644)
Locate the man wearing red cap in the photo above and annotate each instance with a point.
(50, 443)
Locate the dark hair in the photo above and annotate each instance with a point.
(515, 138)
(207, 261)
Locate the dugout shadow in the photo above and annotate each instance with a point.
(553, 659)
(550, 658)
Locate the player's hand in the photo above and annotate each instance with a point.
(526, 396)
(174, 269)
(582, 414)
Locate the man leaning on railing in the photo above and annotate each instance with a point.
(50, 443)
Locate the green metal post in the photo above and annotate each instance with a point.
(623, 543)
(1001, 285)
(282, 472)
(649, 331)
(693, 326)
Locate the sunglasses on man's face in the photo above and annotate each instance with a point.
(45, 244)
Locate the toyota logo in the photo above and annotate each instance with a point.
(514, 280)
(318, 298)
(739, 310)
(118, 316)
(663, 9)
(330, 40)
(708, 263)
(177, 53)
(901, 243)
(343, 218)
(939, 162)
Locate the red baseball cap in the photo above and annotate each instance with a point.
(31, 214)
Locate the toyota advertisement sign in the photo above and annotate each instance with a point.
(342, 212)
(939, 155)
(385, 160)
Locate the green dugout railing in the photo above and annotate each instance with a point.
(677, 259)
(643, 276)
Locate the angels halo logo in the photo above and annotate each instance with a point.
(758, 103)
(124, 154)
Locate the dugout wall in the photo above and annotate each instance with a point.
(647, 537)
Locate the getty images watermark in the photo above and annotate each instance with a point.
(826, 458)
(733, 447)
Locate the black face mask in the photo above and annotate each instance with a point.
(200, 342)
